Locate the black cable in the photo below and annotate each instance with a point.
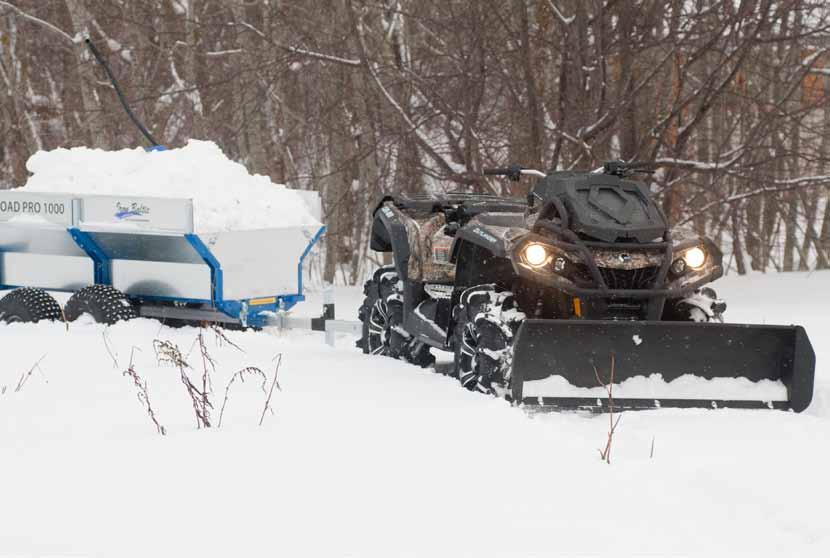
(118, 92)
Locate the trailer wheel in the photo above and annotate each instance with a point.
(486, 320)
(382, 317)
(29, 305)
(106, 304)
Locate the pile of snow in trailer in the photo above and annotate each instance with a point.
(226, 197)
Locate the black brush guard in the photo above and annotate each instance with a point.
(571, 349)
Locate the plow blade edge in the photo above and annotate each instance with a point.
(572, 348)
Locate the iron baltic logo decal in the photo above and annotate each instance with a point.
(129, 212)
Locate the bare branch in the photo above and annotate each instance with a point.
(53, 28)
(322, 57)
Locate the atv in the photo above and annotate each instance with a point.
(584, 274)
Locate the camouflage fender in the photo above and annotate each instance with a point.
(389, 234)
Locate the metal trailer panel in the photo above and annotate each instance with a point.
(154, 265)
(162, 279)
(56, 210)
(146, 215)
(34, 239)
(41, 255)
(260, 263)
(45, 271)
(158, 248)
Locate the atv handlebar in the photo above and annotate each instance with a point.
(622, 169)
(514, 172)
(500, 170)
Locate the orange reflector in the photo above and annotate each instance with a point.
(577, 307)
(260, 301)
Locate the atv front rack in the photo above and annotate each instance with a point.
(600, 287)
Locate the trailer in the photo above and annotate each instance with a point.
(143, 254)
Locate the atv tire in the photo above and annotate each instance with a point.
(29, 305)
(106, 304)
(486, 321)
(382, 316)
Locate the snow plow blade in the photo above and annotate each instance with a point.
(571, 349)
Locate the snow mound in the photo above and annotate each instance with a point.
(225, 195)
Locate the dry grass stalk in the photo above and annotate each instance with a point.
(274, 384)
(208, 366)
(109, 350)
(605, 453)
(222, 339)
(240, 375)
(143, 393)
(168, 352)
(25, 375)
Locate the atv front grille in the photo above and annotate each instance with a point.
(642, 278)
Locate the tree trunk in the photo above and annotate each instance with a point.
(192, 68)
(737, 245)
(250, 91)
(628, 122)
(534, 115)
(80, 24)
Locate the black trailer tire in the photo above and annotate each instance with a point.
(29, 305)
(382, 316)
(486, 321)
(106, 304)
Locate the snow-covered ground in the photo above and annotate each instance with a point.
(365, 456)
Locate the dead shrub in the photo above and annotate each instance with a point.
(605, 453)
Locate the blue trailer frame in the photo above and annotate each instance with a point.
(252, 312)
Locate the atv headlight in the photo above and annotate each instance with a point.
(535, 254)
(695, 257)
